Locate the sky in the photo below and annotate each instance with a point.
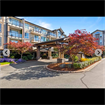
(69, 24)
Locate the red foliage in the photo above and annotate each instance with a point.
(20, 47)
(80, 41)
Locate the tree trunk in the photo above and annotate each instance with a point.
(21, 56)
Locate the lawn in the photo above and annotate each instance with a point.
(4, 63)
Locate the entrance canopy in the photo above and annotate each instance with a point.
(51, 43)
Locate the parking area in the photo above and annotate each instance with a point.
(32, 74)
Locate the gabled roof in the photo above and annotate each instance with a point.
(98, 30)
(59, 29)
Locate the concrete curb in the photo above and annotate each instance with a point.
(87, 69)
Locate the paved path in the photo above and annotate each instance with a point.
(32, 74)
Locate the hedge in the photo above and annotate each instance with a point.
(86, 63)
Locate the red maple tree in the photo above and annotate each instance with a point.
(19, 47)
(80, 41)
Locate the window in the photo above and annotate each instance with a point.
(14, 22)
(0, 41)
(36, 29)
(100, 43)
(0, 17)
(97, 32)
(14, 33)
(14, 41)
(27, 26)
(36, 38)
(43, 39)
(43, 31)
(0, 28)
(100, 34)
(59, 34)
(27, 35)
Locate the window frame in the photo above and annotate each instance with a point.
(26, 26)
(36, 38)
(26, 36)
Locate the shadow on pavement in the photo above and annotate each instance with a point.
(30, 70)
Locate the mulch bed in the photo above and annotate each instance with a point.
(55, 66)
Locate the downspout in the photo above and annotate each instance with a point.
(6, 36)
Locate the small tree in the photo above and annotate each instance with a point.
(20, 47)
(80, 41)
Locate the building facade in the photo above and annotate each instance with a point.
(100, 34)
(14, 29)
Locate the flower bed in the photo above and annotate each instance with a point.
(76, 66)
(12, 60)
(86, 62)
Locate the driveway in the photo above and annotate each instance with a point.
(32, 74)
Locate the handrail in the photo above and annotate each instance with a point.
(12, 34)
(16, 23)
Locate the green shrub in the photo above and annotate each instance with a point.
(25, 58)
(1, 56)
(29, 57)
(12, 57)
(86, 63)
(76, 59)
(54, 55)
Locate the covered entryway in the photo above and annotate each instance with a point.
(48, 45)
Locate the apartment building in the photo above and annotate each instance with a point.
(100, 34)
(14, 29)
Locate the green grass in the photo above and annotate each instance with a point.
(4, 63)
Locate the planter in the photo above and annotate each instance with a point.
(60, 60)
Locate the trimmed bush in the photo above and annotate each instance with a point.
(25, 58)
(86, 63)
(29, 57)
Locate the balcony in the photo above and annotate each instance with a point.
(35, 41)
(16, 25)
(51, 34)
(15, 35)
(33, 31)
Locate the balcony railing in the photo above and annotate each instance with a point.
(17, 35)
(16, 23)
(38, 31)
(51, 34)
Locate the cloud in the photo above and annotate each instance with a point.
(97, 21)
(44, 24)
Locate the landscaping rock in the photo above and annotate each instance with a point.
(69, 65)
(62, 65)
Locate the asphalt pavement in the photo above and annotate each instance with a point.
(33, 74)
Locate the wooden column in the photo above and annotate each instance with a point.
(38, 53)
(49, 53)
(61, 54)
